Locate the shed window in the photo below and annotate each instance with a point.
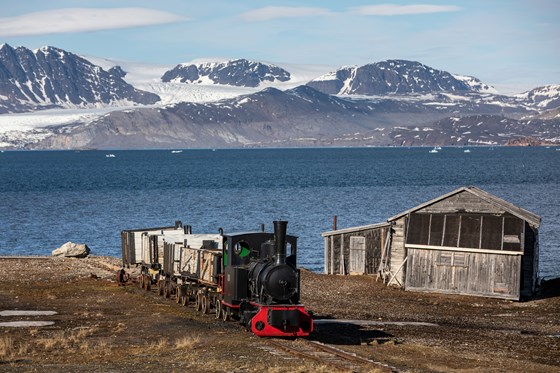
(436, 230)
(451, 234)
(419, 229)
(491, 233)
(513, 227)
(476, 231)
(470, 231)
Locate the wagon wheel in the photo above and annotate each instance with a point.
(185, 299)
(198, 302)
(219, 309)
(205, 304)
(160, 287)
(166, 291)
(178, 294)
(225, 313)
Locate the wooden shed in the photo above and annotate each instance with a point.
(465, 242)
(356, 250)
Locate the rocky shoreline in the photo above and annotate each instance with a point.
(100, 326)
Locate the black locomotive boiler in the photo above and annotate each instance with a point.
(250, 276)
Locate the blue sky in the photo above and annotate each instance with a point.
(511, 44)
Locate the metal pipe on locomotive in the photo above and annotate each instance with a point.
(251, 277)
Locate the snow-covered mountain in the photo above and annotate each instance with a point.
(301, 116)
(546, 97)
(394, 77)
(50, 77)
(106, 103)
(239, 73)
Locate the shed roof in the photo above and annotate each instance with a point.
(533, 219)
(355, 229)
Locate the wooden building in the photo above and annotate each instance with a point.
(356, 250)
(465, 242)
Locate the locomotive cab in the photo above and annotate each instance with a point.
(261, 282)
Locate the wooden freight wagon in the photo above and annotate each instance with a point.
(465, 242)
(136, 243)
(198, 256)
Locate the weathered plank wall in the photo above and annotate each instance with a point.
(496, 275)
(462, 202)
(398, 252)
(338, 252)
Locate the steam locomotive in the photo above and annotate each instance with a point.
(251, 277)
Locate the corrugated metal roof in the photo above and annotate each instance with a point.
(533, 219)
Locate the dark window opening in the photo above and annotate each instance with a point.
(418, 229)
(451, 234)
(513, 227)
(475, 231)
(436, 230)
(470, 231)
(491, 233)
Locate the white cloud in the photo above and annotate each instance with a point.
(397, 10)
(69, 20)
(274, 12)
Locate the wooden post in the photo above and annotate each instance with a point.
(342, 265)
(334, 223)
(326, 261)
(332, 256)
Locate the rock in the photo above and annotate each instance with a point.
(72, 250)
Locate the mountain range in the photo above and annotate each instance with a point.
(243, 103)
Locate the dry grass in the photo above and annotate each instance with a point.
(190, 342)
(57, 339)
(6, 347)
(10, 349)
(304, 368)
(68, 340)
(160, 345)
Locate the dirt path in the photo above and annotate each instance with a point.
(99, 326)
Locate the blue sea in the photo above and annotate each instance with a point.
(49, 198)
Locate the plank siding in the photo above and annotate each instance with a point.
(398, 252)
(357, 255)
(493, 275)
(337, 249)
(462, 202)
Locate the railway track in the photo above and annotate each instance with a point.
(329, 355)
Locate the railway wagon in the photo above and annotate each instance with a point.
(144, 247)
(251, 277)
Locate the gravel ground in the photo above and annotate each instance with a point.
(101, 327)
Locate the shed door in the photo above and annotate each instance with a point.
(357, 255)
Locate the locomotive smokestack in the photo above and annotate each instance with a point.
(280, 228)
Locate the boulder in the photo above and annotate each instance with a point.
(72, 250)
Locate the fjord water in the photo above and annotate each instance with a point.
(49, 198)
